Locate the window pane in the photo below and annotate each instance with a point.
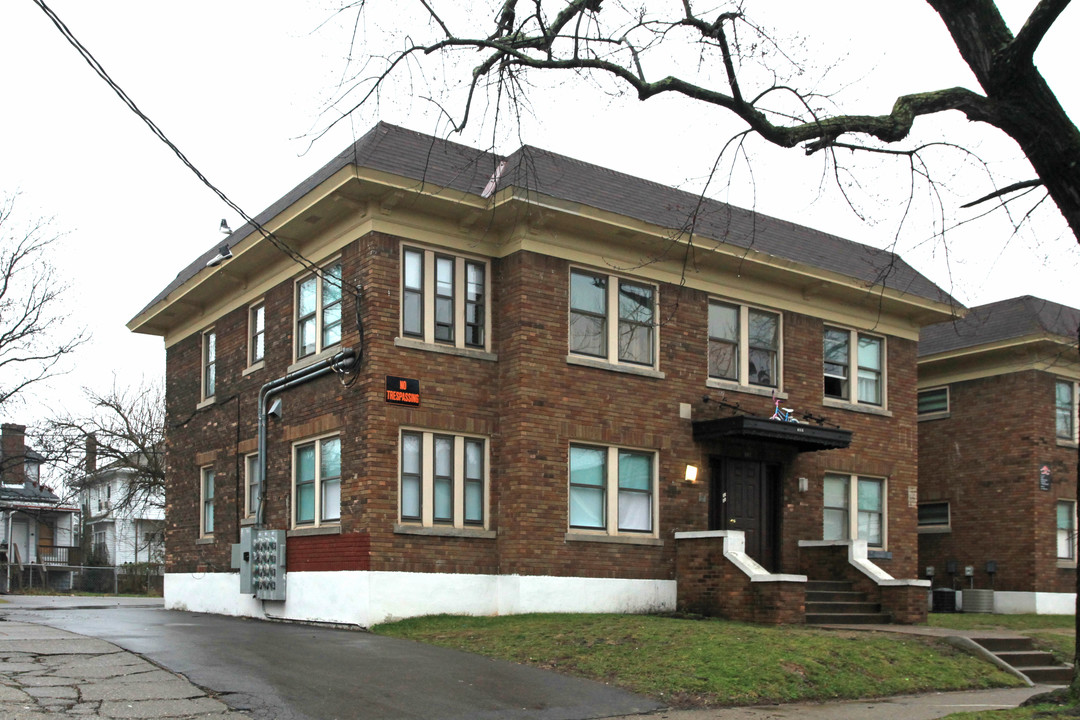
(870, 528)
(444, 276)
(474, 502)
(410, 497)
(587, 507)
(410, 454)
(211, 347)
(933, 401)
(258, 352)
(330, 459)
(332, 325)
(258, 320)
(835, 525)
(588, 293)
(635, 303)
(331, 285)
(763, 329)
(723, 360)
(305, 503)
(411, 322)
(635, 343)
(305, 464)
(1066, 536)
(635, 511)
(635, 471)
(836, 491)
(474, 459)
(762, 367)
(1064, 409)
(414, 273)
(587, 466)
(932, 514)
(588, 335)
(836, 363)
(869, 386)
(870, 495)
(869, 352)
(306, 340)
(444, 500)
(444, 456)
(724, 322)
(331, 500)
(306, 297)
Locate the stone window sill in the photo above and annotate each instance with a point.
(474, 353)
(435, 531)
(747, 389)
(321, 530)
(614, 539)
(209, 540)
(853, 407)
(613, 367)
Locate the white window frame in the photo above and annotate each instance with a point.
(932, 414)
(255, 311)
(460, 479)
(852, 496)
(742, 381)
(935, 527)
(251, 472)
(1074, 395)
(613, 320)
(428, 293)
(319, 314)
(206, 501)
(1070, 532)
(853, 370)
(319, 511)
(612, 490)
(208, 373)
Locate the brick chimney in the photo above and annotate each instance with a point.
(91, 453)
(13, 448)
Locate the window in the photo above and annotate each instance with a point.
(206, 517)
(256, 333)
(443, 479)
(866, 365)
(933, 515)
(251, 485)
(1066, 530)
(317, 482)
(934, 401)
(444, 299)
(209, 363)
(866, 496)
(318, 311)
(594, 300)
(615, 502)
(744, 344)
(1065, 409)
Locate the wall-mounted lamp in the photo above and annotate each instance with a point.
(224, 253)
(691, 473)
(804, 484)
(224, 227)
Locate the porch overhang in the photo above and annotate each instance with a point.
(797, 436)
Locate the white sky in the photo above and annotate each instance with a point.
(238, 84)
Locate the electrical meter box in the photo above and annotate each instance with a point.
(260, 557)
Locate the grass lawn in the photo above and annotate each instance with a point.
(694, 662)
(987, 621)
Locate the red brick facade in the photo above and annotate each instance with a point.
(984, 458)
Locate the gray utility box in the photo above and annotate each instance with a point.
(260, 558)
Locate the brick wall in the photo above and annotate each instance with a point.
(984, 459)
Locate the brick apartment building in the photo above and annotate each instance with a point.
(998, 451)
(491, 386)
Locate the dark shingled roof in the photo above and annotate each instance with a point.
(441, 163)
(1005, 320)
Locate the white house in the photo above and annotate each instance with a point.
(122, 527)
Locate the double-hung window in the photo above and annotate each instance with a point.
(209, 363)
(251, 485)
(1066, 530)
(744, 344)
(1065, 410)
(612, 490)
(318, 311)
(933, 402)
(866, 364)
(206, 502)
(443, 479)
(864, 495)
(256, 333)
(612, 319)
(317, 482)
(444, 298)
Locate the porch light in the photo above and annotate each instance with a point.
(691, 473)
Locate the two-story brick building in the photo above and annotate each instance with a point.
(998, 452)
(527, 383)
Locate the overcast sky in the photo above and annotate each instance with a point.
(241, 86)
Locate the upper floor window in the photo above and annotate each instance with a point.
(251, 485)
(612, 490)
(612, 318)
(444, 298)
(864, 495)
(934, 516)
(866, 365)
(443, 479)
(318, 311)
(744, 344)
(317, 482)
(256, 333)
(1065, 409)
(934, 401)
(209, 363)
(206, 493)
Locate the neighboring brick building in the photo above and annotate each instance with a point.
(998, 451)
(544, 354)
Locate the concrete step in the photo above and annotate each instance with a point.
(1027, 658)
(1005, 644)
(848, 618)
(828, 585)
(1051, 675)
(858, 608)
(830, 596)
(1020, 653)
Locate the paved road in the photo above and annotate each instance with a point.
(296, 672)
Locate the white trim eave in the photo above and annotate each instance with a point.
(735, 552)
(857, 556)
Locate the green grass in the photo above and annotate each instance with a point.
(693, 662)
(987, 621)
(1043, 712)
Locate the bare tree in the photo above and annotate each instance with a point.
(124, 431)
(33, 336)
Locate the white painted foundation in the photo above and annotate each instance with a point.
(1040, 603)
(369, 598)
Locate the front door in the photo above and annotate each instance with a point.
(744, 497)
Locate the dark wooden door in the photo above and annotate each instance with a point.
(743, 497)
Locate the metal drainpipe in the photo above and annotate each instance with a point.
(337, 362)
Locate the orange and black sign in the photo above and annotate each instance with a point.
(402, 391)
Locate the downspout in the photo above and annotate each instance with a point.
(341, 361)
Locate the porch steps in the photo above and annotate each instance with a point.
(1020, 653)
(833, 602)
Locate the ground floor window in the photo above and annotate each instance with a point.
(854, 507)
(612, 489)
(443, 479)
(206, 517)
(317, 481)
(1066, 530)
(933, 516)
